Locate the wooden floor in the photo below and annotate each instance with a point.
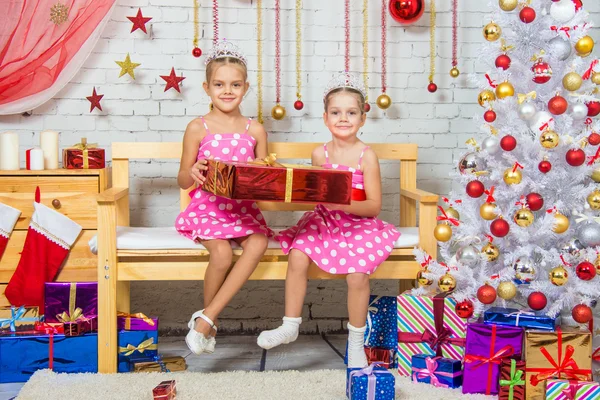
(242, 353)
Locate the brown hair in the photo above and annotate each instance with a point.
(217, 62)
(359, 97)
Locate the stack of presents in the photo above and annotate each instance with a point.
(63, 338)
(510, 353)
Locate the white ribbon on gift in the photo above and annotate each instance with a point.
(518, 315)
(374, 310)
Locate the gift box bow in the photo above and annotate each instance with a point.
(371, 373)
(73, 316)
(516, 379)
(496, 358)
(430, 370)
(147, 344)
(432, 339)
(16, 315)
(84, 145)
(269, 161)
(518, 314)
(141, 316)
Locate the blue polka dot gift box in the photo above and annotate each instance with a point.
(381, 323)
(371, 383)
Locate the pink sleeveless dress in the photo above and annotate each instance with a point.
(339, 242)
(213, 217)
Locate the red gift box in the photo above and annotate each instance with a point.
(165, 390)
(84, 156)
(277, 182)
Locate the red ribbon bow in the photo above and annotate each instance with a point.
(562, 258)
(490, 194)
(592, 159)
(517, 165)
(489, 237)
(546, 125)
(491, 82)
(571, 392)
(445, 217)
(565, 29)
(588, 73)
(551, 210)
(425, 263)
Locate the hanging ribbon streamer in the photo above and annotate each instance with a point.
(277, 51)
(196, 52)
(365, 46)
(347, 35)
(383, 47)
(454, 71)
(299, 104)
(215, 21)
(259, 72)
(432, 20)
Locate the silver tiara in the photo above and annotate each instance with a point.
(224, 49)
(345, 80)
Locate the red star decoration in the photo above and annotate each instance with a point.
(95, 100)
(139, 21)
(172, 80)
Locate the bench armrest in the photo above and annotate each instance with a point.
(419, 195)
(112, 195)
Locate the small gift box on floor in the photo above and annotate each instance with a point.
(18, 319)
(385, 357)
(428, 325)
(136, 322)
(84, 155)
(512, 380)
(371, 383)
(524, 319)
(159, 364)
(135, 344)
(487, 346)
(558, 389)
(437, 371)
(71, 302)
(165, 390)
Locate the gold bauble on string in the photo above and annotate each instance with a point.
(454, 72)
(421, 280)
(523, 217)
(513, 176)
(278, 112)
(442, 232)
(488, 211)
(596, 78)
(508, 5)
(505, 89)
(561, 223)
(492, 32)
(572, 81)
(584, 46)
(559, 276)
(593, 200)
(506, 290)
(596, 175)
(384, 101)
(490, 251)
(549, 139)
(597, 265)
(451, 212)
(485, 97)
(447, 283)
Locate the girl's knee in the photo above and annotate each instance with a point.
(256, 242)
(221, 252)
(298, 261)
(357, 281)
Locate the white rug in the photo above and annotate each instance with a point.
(313, 385)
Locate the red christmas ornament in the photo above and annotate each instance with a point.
(586, 271)
(578, 4)
(527, 15)
(535, 201)
(593, 108)
(367, 107)
(298, 105)
(196, 52)
(575, 157)
(94, 99)
(432, 87)
(508, 143)
(557, 105)
(486, 294)
(464, 309)
(542, 72)
(503, 61)
(407, 11)
(537, 301)
(544, 166)
(475, 189)
(594, 139)
(582, 313)
(139, 21)
(489, 116)
(172, 80)
(499, 227)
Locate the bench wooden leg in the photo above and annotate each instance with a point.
(405, 284)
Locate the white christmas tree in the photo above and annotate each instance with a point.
(526, 225)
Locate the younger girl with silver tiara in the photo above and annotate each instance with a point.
(216, 222)
(339, 239)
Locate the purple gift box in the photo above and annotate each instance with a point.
(486, 346)
(136, 322)
(70, 299)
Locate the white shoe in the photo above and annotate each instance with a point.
(195, 340)
(210, 346)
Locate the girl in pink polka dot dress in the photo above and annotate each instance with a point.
(346, 239)
(223, 134)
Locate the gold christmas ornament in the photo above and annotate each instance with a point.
(59, 13)
(421, 280)
(452, 213)
(523, 217)
(278, 112)
(447, 283)
(513, 176)
(505, 89)
(127, 67)
(584, 46)
(596, 175)
(572, 81)
(454, 72)
(508, 5)
(506, 290)
(384, 101)
(593, 200)
(485, 97)
(488, 211)
(597, 265)
(549, 139)
(492, 32)
(596, 78)
(442, 232)
(490, 251)
(559, 276)
(561, 223)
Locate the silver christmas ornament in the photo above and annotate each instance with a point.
(560, 48)
(573, 247)
(540, 120)
(524, 271)
(467, 255)
(527, 111)
(589, 234)
(491, 144)
(563, 10)
(579, 111)
(468, 164)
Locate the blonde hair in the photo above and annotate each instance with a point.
(217, 62)
(359, 97)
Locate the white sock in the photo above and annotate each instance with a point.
(356, 347)
(286, 333)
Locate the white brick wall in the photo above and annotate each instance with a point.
(140, 111)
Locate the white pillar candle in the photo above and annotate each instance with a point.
(36, 159)
(9, 151)
(49, 145)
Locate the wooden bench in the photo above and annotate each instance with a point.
(119, 263)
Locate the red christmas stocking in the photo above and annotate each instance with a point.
(8, 219)
(49, 239)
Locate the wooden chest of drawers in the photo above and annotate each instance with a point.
(70, 192)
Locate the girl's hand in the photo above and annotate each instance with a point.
(197, 171)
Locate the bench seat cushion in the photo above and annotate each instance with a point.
(141, 238)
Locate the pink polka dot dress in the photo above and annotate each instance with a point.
(339, 242)
(214, 217)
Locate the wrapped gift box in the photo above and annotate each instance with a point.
(159, 364)
(71, 301)
(245, 181)
(136, 322)
(385, 357)
(422, 320)
(135, 344)
(596, 348)
(166, 390)
(371, 383)
(381, 323)
(84, 156)
(437, 371)
(512, 380)
(18, 319)
(544, 351)
(486, 346)
(23, 354)
(558, 389)
(524, 319)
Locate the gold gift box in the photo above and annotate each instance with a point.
(17, 319)
(173, 364)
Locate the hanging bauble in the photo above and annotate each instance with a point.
(454, 72)
(542, 72)
(578, 4)
(535, 201)
(593, 200)
(512, 176)
(468, 164)
(406, 11)
(508, 143)
(549, 139)
(596, 175)
(573, 247)
(507, 290)
(594, 139)
(278, 112)
(489, 116)
(593, 108)
(299, 105)
(491, 144)
(467, 255)
(523, 217)
(421, 280)
(367, 107)
(527, 111)
(558, 105)
(584, 46)
(575, 157)
(560, 48)
(196, 52)
(561, 223)
(488, 211)
(562, 11)
(582, 314)
(490, 251)
(485, 97)
(464, 309)
(499, 227)
(442, 232)
(537, 301)
(508, 5)
(524, 271)
(541, 121)
(447, 283)
(579, 111)
(486, 294)
(572, 81)
(384, 101)
(558, 276)
(451, 212)
(505, 89)
(585, 271)
(492, 32)
(475, 189)
(545, 166)
(432, 87)
(595, 78)
(527, 15)
(503, 61)
(589, 234)
(597, 265)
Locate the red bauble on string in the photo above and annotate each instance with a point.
(558, 105)
(594, 139)
(407, 11)
(575, 157)
(499, 227)
(542, 71)
(432, 87)
(537, 301)
(298, 105)
(527, 15)
(578, 4)
(593, 108)
(464, 309)
(475, 189)
(367, 107)
(582, 313)
(196, 52)
(585, 271)
(544, 166)
(489, 116)
(535, 201)
(503, 61)
(486, 294)
(508, 143)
